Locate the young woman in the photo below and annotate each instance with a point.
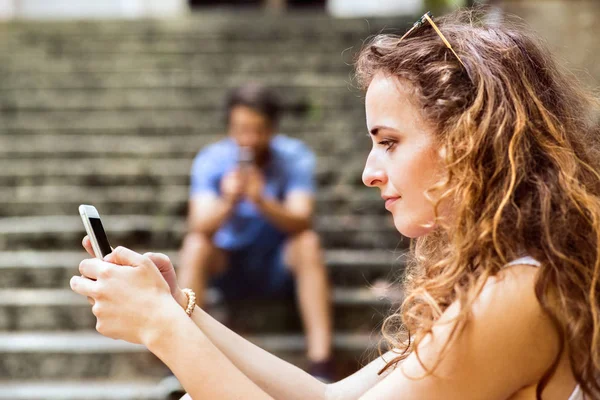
(483, 152)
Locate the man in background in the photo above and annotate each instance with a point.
(250, 212)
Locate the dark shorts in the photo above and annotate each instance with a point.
(251, 276)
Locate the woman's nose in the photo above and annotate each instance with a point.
(373, 175)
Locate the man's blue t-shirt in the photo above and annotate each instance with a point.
(290, 169)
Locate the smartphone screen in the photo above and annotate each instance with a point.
(100, 235)
(245, 156)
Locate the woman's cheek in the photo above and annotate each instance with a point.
(399, 176)
(409, 224)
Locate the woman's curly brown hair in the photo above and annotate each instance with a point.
(522, 171)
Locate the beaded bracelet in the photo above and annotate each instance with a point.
(191, 301)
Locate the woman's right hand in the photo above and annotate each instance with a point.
(164, 265)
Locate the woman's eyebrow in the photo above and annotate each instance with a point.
(375, 130)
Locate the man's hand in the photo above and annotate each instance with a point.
(255, 185)
(232, 186)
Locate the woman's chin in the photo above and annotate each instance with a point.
(410, 230)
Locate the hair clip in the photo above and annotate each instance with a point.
(417, 24)
(422, 20)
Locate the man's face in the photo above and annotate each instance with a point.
(251, 129)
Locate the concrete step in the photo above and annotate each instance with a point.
(144, 171)
(297, 130)
(67, 356)
(174, 146)
(53, 269)
(199, 99)
(162, 231)
(178, 44)
(218, 66)
(300, 123)
(238, 32)
(170, 199)
(73, 355)
(110, 181)
(65, 146)
(95, 171)
(326, 205)
(176, 78)
(217, 25)
(179, 37)
(140, 389)
(355, 310)
(314, 120)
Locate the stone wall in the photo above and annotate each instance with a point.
(571, 29)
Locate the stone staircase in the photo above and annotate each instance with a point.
(112, 114)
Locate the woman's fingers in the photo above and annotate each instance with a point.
(83, 286)
(127, 282)
(93, 268)
(87, 245)
(162, 261)
(123, 256)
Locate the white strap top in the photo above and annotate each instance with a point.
(528, 260)
(577, 394)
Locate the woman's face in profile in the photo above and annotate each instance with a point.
(403, 162)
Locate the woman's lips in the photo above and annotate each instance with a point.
(389, 202)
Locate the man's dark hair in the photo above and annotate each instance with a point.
(257, 97)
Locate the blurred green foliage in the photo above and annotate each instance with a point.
(439, 7)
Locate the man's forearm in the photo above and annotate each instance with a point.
(210, 222)
(282, 218)
(278, 378)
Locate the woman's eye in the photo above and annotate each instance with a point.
(388, 144)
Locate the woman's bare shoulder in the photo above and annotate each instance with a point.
(508, 302)
(507, 324)
(510, 299)
(507, 331)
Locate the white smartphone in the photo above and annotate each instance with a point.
(95, 230)
(245, 157)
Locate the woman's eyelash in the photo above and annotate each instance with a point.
(387, 143)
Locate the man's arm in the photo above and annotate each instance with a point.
(208, 212)
(293, 215)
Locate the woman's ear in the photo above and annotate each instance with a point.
(442, 152)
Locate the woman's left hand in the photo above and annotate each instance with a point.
(132, 301)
